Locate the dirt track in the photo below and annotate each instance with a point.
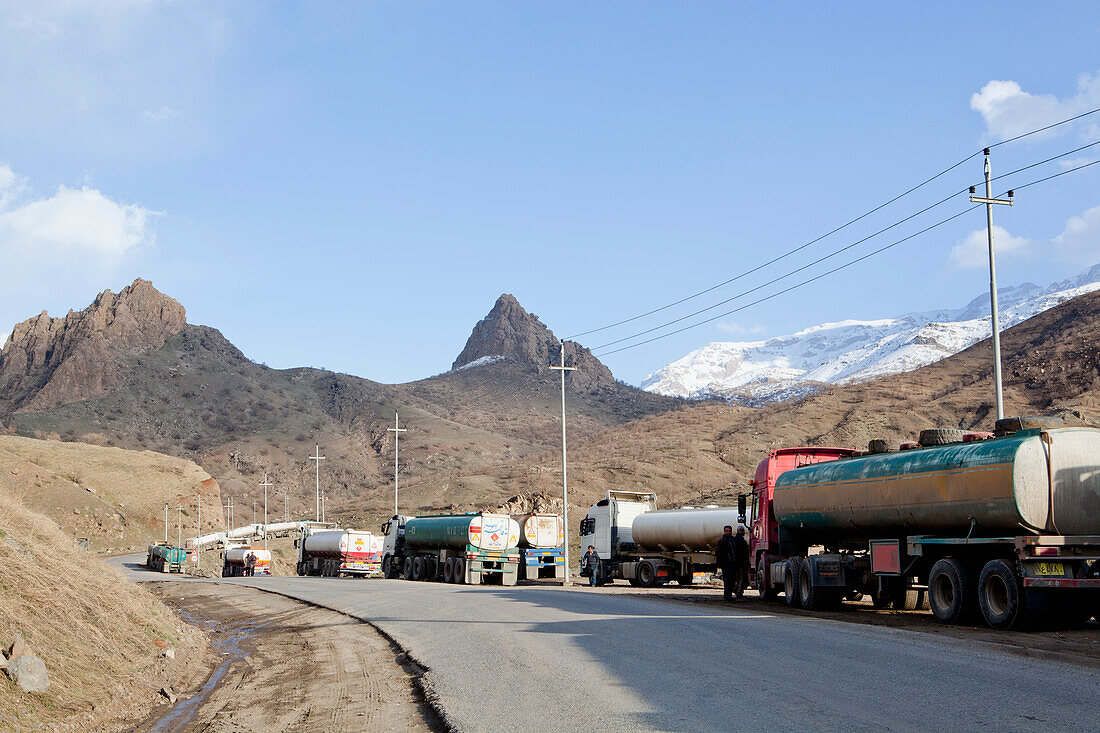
(287, 666)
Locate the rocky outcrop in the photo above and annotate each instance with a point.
(510, 331)
(48, 362)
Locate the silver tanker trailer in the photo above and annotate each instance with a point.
(1006, 526)
(646, 546)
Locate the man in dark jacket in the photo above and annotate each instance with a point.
(740, 563)
(590, 565)
(726, 555)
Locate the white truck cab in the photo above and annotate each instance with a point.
(609, 520)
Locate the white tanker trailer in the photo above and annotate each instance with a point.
(336, 552)
(541, 546)
(235, 563)
(647, 547)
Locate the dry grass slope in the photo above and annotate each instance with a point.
(94, 630)
(125, 507)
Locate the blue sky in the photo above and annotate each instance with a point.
(352, 185)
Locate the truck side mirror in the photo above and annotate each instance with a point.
(742, 506)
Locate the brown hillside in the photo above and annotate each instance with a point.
(184, 390)
(707, 453)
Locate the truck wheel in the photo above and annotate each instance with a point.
(460, 571)
(418, 569)
(433, 567)
(407, 569)
(449, 570)
(387, 566)
(767, 591)
(908, 599)
(790, 585)
(814, 598)
(646, 574)
(1001, 596)
(951, 590)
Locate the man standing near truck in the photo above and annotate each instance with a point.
(726, 556)
(590, 566)
(740, 563)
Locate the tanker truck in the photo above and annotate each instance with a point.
(1004, 527)
(234, 565)
(335, 552)
(164, 558)
(646, 546)
(541, 546)
(453, 548)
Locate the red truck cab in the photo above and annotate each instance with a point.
(764, 539)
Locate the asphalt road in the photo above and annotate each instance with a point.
(578, 659)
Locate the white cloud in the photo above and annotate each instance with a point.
(739, 329)
(1073, 162)
(160, 115)
(1080, 240)
(75, 227)
(1009, 111)
(1079, 243)
(973, 252)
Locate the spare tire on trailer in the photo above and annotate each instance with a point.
(941, 436)
(884, 445)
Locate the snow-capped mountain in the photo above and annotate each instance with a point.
(754, 372)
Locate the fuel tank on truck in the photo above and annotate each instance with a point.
(1045, 480)
(691, 530)
(341, 543)
(491, 532)
(540, 530)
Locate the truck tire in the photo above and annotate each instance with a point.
(449, 570)
(940, 436)
(407, 569)
(419, 572)
(814, 597)
(767, 591)
(884, 445)
(951, 591)
(646, 574)
(387, 566)
(790, 585)
(460, 571)
(908, 599)
(1001, 596)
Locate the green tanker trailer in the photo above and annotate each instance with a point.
(453, 548)
(165, 558)
(1006, 526)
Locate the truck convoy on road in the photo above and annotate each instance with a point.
(165, 559)
(646, 546)
(336, 552)
(541, 546)
(235, 561)
(1006, 526)
(453, 548)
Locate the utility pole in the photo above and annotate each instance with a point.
(286, 507)
(254, 505)
(989, 202)
(322, 506)
(166, 524)
(396, 430)
(317, 477)
(564, 480)
(265, 484)
(179, 526)
(198, 537)
(228, 505)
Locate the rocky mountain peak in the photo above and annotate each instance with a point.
(51, 361)
(510, 331)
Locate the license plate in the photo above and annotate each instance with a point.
(1050, 568)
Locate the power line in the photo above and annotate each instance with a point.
(830, 255)
(840, 267)
(833, 231)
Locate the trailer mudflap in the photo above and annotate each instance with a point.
(827, 570)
